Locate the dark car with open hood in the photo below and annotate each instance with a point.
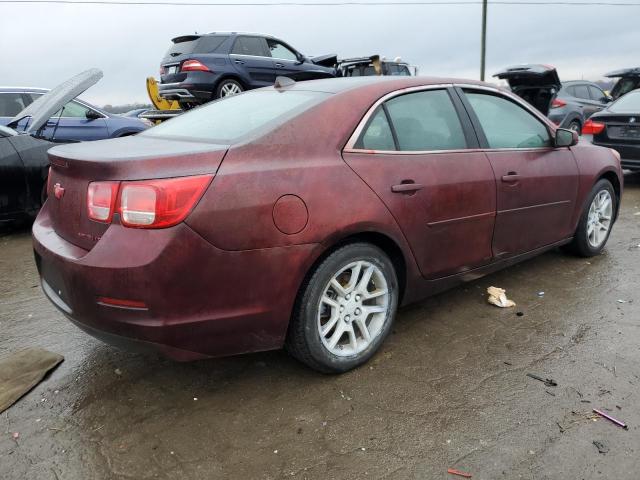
(253, 223)
(618, 127)
(627, 79)
(23, 148)
(199, 68)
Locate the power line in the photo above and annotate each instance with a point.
(322, 4)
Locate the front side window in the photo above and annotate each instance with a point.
(426, 121)
(11, 104)
(72, 109)
(252, 46)
(377, 135)
(278, 50)
(507, 124)
(596, 94)
(234, 118)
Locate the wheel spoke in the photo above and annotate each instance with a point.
(375, 293)
(329, 301)
(369, 309)
(326, 328)
(364, 282)
(362, 326)
(589, 230)
(340, 290)
(337, 335)
(352, 337)
(353, 280)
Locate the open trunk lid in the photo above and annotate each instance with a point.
(537, 84)
(74, 166)
(528, 76)
(329, 60)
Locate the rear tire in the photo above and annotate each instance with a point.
(228, 87)
(596, 220)
(344, 310)
(576, 126)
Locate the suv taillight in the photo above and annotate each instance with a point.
(101, 200)
(147, 203)
(557, 103)
(193, 66)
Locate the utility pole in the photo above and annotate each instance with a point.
(483, 44)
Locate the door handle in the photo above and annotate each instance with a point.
(511, 177)
(239, 62)
(407, 187)
(279, 65)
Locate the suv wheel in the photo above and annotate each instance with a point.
(228, 87)
(345, 310)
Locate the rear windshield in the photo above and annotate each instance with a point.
(630, 103)
(625, 85)
(235, 118)
(206, 44)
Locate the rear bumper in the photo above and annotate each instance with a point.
(629, 154)
(187, 91)
(199, 301)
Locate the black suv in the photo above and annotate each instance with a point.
(200, 68)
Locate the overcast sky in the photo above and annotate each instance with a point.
(45, 44)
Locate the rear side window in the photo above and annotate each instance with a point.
(234, 118)
(209, 43)
(581, 91)
(377, 135)
(506, 124)
(11, 104)
(253, 46)
(426, 121)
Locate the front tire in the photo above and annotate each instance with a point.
(344, 310)
(596, 220)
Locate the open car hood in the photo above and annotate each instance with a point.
(328, 60)
(46, 105)
(624, 72)
(523, 76)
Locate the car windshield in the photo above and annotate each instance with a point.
(231, 119)
(630, 103)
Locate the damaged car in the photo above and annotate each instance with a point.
(24, 163)
(199, 68)
(253, 223)
(567, 104)
(375, 66)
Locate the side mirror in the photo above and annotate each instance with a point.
(300, 58)
(565, 137)
(92, 115)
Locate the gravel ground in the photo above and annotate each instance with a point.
(448, 388)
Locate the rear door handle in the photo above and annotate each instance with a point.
(511, 177)
(406, 187)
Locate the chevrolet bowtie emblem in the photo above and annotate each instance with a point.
(58, 191)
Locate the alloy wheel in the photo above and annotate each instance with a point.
(599, 219)
(353, 308)
(229, 89)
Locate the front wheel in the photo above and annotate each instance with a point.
(345, 309)
(596, 221)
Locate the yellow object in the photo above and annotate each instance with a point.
(159, 102)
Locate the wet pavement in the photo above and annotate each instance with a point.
(448, 388)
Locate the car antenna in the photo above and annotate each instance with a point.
(283, 82)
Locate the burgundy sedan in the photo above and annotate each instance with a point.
(303, 215)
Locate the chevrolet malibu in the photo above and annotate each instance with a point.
(302, 215)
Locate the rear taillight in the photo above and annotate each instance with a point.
(592, 128)
(101, 200)
(160, 203)
(193, 66)
(557, 103)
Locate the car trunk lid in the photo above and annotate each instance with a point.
(74, 167)
(537, 84)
